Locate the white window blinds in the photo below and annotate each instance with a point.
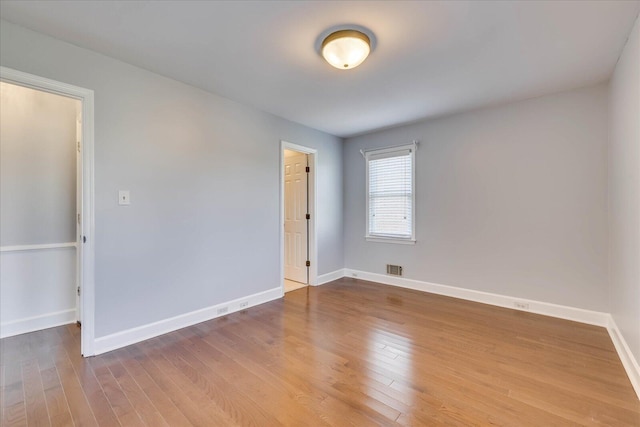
(390, 193)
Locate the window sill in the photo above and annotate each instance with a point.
(390, 240)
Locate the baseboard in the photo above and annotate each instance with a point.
(36, 323)
(151, 330)
(329, 277)
(628, 360)
(563, 312)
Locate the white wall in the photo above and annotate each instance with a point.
(624, 192)
(37, 167)
(510, 200)
(37, 289)
(37, 207)
(203, 171)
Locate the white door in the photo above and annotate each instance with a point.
(79, 216)
(295, 217)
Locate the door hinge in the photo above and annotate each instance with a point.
(308, 169)
(78, 218)
(308, 216)
(78, 146)
(308, 263)
(78, 290)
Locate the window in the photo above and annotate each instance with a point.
(390, 194)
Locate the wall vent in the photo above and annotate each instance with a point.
(394, 270)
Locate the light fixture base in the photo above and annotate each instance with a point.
(345, 47)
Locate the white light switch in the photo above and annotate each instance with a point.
(123, 197)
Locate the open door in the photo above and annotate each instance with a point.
(79, 216)
(298, 207)
(296, 217)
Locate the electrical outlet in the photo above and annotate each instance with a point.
(244, 304)
(223, 310)
(521, 305)
(124, 198)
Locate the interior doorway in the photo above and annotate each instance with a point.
(298, 216)
(40, 170)
(296, 224)
(47, 221)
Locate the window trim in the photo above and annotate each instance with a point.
(412, 148)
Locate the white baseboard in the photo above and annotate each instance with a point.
(36, 323)
(548, 309)
(628, 360)
(563, 312)
(151, 330)
(329, 277)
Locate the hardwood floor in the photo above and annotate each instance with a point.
(346, 353)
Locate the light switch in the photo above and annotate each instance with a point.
(123, 197)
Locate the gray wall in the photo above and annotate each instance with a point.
(624, 192)
(37, 167)
(510, 200)
(203, 171)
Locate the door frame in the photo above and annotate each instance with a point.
(85, 252)
(311, 196)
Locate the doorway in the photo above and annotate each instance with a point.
(298, 216)
(38, 209)
(47, 208)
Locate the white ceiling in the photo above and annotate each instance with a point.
(430, 58)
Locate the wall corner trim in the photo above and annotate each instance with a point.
(329, 277)
(151, 330)
(628, 360)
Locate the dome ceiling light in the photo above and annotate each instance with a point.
(346, 49)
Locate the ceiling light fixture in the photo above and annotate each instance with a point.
(346, 49)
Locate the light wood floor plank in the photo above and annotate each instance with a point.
(57, 404)
(14, 411)
(35, 401)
